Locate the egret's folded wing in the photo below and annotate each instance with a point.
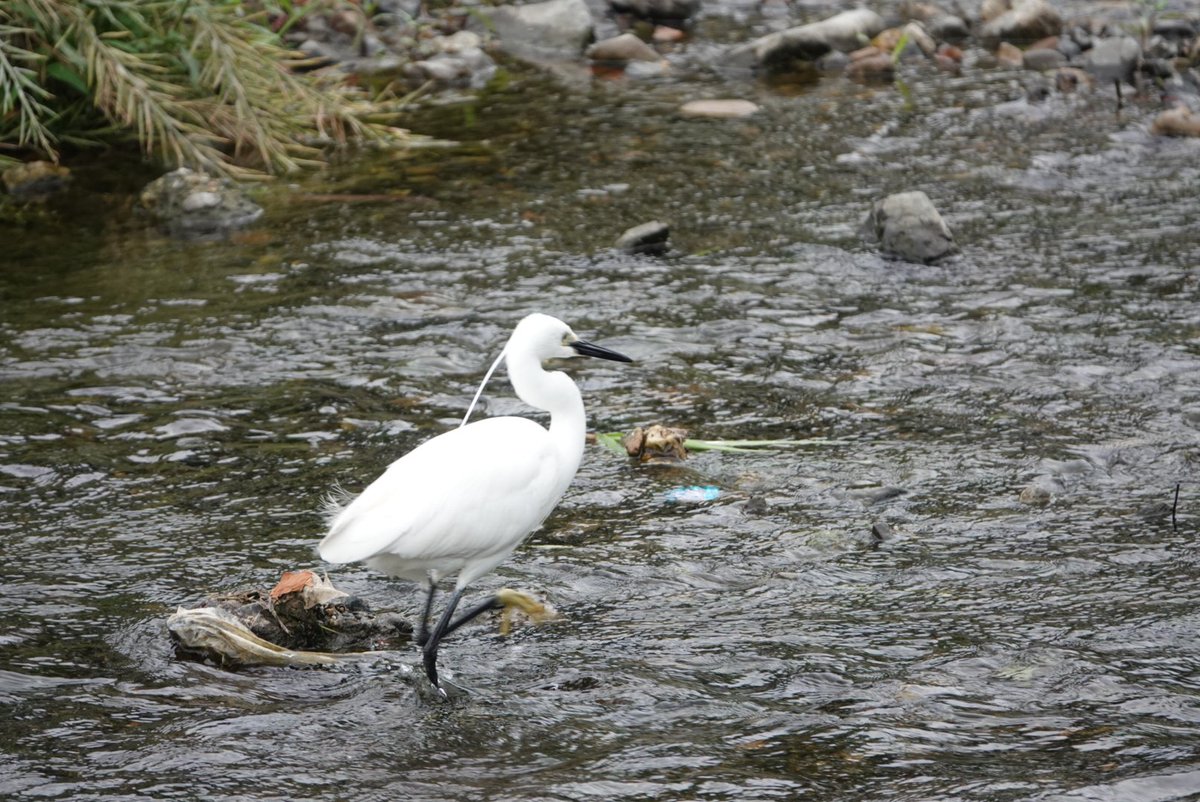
(454, 495)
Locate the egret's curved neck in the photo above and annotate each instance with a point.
(554, 392)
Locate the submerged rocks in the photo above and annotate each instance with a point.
(546, 31)
(194, 204)
(907, 226)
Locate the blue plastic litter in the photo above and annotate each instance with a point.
(694, 493)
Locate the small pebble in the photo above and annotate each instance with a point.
(718, 109)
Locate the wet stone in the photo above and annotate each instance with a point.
(907, 226)
(1008, 55)
(551, 30)
(948, 28)
(189, 203)
(1179, 121)
(870, 63)
(675, 11)
(626, 47)
(1071, 79)
(1035, 495)
(36, 180)
(1021, 21)
(1113, 59)
(1043, 60)
(718, 108)
(845, 32)
(648, 238)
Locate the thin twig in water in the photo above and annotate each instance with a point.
(1174, 507)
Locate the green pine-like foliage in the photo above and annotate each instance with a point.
(204, 84)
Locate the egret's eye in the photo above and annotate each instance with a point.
(567, 340)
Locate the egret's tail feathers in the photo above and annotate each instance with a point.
(334, 502)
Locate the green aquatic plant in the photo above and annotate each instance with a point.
(613, 442)
(204, 84)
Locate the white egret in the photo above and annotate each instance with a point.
(461, 503)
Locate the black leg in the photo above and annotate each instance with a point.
(423, 632)
(430, 647)
(490, 603)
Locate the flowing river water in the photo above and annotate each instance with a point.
(171, 414)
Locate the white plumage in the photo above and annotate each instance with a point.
(459, 504)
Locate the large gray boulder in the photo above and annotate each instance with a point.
(549, 31)
(907, 226)
(847, 31)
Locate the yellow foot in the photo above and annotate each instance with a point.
(515, 602)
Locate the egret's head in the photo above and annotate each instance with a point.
(548, 337)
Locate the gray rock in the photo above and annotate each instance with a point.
(402, 8)
(1024, 21)
(832, 62)
(1035, 495)
(193, 204)
(467, 67)
(919, 36)
(445, 70)
(657, 10)
(647, 70)
(321, 54)
(1174, 28)
(36, 180)
(549, 31)
(648, 238)
(626, 47)
(376, 66)
(847, 31)
(1044, 59)
(948, 28)
(907, 226)
(1113, 59)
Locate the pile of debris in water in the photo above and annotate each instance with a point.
(303, 620)
(659, 444)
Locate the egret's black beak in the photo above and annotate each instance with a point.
(600, 352)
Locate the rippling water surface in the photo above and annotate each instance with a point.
(171, 414)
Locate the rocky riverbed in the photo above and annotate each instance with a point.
(971, 573)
